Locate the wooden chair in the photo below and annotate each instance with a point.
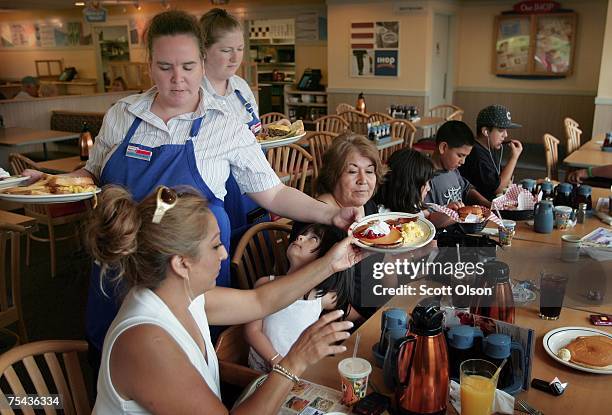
(261, 252)
(43, 368)
(332, 124)
(343, 107)
(380, 117)
(403, 129)
(233, 354)
(10, 297)
(50, 215)
(357, 121)
(272, 117)
(318, 144)
(290, 163)
(445, 111)
(572, 134)
(135, 74)
(551, 147)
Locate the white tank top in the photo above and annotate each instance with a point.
(143, 306)
(285, 326)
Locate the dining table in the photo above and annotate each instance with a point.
(589, 154)
(586, 393)
(428, 122)
(12, 138)
(61, 165)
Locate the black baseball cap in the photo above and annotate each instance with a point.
(496, 116)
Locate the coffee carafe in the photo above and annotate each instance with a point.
(499, 305)
(422, 363)
(543, 219)
(464, 343)
(497, 347)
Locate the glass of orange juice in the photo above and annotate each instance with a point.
(478, 384)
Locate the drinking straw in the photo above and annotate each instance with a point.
(458, 252)
(356, 345)
(496, 374)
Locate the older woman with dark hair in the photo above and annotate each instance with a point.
(350, 175)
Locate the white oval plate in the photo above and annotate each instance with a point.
(281, 141)
(427, 226)
(12, 181)
(558, 338)
(50, 198)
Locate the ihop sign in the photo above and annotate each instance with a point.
(536, 6)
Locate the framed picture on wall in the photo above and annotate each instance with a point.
(374, 49)
(534, 44)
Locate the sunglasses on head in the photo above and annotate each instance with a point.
(166, 200)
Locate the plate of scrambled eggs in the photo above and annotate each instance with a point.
(392, 232)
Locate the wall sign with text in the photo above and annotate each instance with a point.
(374, 49)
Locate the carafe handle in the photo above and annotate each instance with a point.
(405, 354)
(517, 383)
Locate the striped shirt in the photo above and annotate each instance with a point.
(222, 144)
(231, 100)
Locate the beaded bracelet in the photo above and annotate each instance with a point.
(285, 372)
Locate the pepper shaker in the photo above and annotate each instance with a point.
(581, 214)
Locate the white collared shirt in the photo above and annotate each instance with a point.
(222, 144)
(230, 100)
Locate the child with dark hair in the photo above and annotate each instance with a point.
(454, 142)
(272, 337)
(407, 183)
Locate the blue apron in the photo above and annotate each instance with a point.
(243, 212)
(142, 169)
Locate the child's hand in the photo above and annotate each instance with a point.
(344, 255)
(317, 341)
(516, 148)
(455, 205)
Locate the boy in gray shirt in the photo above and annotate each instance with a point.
(454, 142)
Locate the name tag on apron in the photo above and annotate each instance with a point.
(138, 153)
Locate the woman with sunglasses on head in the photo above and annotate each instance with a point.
(177, 134)
(158, 356)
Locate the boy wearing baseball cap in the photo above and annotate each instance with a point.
(483, 167)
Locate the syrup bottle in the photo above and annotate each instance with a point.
(361, 104)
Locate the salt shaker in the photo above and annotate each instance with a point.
(581, 214)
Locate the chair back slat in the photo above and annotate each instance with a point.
(35, 375)
(261, 252)
(20, 162)
(290, 163)
(318, 143)
(332, 124)
(357, 121)
(572, 134)
(233, 352)
(446, 111)
(551, 148)
(10, 300)
(60, 381)
(405, 130)
(272, 117)
(17, 388)
(80, 400)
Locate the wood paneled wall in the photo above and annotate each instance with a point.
(538, 113)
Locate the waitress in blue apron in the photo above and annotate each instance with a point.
(176, 134)
(223, 51)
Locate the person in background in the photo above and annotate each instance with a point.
(350, 174)
(223, 40)
(29, 88)
(158, 356)
(176, 134)
(577, 176)
(406, 184)
(483, 166)
(454, 142)
(271, 338)
(118, 85)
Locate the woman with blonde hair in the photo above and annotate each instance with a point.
(158, 356)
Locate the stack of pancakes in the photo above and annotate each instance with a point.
(591, 351)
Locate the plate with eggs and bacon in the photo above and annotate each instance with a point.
(52, 189)
(392, 232)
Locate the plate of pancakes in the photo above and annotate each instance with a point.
(582, 348)
(392, 232)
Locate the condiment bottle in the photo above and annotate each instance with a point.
(563, 195)
(581, 214)
(361, 104)
(85, 142)
(583, 195)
